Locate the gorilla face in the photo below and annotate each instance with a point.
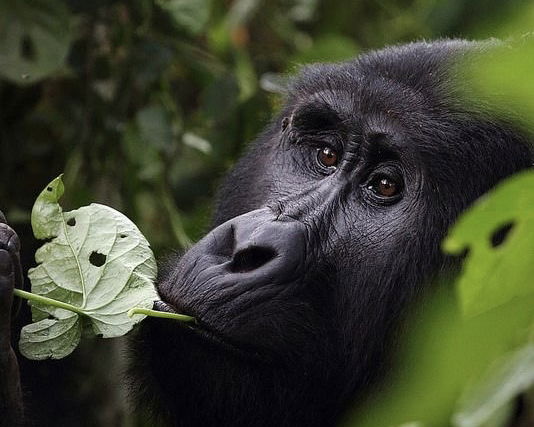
(324, 232)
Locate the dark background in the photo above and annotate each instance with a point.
(145, 104)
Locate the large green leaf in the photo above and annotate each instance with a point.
(97, 263)
(499, 234)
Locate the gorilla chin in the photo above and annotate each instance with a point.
(327, 229)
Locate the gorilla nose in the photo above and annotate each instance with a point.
(251, 258)
(259, 240)
(257, 244)
(253, 252)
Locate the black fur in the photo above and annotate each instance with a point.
(291, 333)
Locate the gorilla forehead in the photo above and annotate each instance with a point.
(406, 90)
(422, 69)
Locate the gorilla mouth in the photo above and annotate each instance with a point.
(212, 336)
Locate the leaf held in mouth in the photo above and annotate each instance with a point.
(94, 267)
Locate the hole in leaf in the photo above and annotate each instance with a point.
(122, 236)
(27, 48)
(48, 188)
(97, 259)
(71, 222)
(50, 317)
(499, 236)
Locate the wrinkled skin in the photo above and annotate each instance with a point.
(324, 233)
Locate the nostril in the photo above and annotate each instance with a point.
(251, 258)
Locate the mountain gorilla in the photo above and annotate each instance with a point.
(325, 231)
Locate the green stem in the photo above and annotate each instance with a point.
(48, 301)
(136, 310)
(161, 314)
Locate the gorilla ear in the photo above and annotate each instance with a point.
(275, 83)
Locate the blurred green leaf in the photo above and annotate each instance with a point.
(504, 73)
(177, 225)
(144, 157)
(274, 82)
(190, 15)
(246, 76)
(443, 353)
(155, 126)
(505, 380)
(221, 97)
(34, 39)
(303, 10)
(499, 233)
(328, 48)
(242, 11)
(194, 141)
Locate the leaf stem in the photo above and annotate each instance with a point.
(136, 310)
(161, 314)
(48, 301)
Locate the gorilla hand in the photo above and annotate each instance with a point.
(11, 409)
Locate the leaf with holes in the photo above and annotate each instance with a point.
(498, 233)
(96, 265)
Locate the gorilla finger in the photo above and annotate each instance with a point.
(10, 245)
(7, 279)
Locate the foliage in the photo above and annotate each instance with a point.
(93, 269)
(147, 103)
(498, 231)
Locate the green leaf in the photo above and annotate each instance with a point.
(512, 376)
(501, 76)
(96, 263)
(303, 10)
(499, 233)
(197, 142)
(328, 48)
(190, 15)
(34, 39)
(51, 338)
(155, 126)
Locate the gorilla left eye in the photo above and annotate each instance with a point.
(327, 157)
(385, 186)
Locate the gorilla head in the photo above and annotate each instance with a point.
(325, 230)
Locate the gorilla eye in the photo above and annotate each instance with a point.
(385, 187)
(327, 157)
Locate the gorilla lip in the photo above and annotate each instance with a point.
(207, 333)
(165, 307)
